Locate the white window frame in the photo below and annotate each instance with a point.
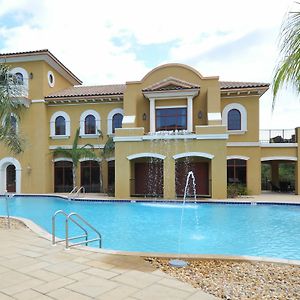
(25, 84)
(98, 122)
(243, 113)
(52, 125)
(110, 119)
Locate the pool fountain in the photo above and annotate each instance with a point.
(178, 263)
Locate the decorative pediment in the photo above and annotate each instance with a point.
(170, 84)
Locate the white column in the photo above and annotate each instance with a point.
(190, 113)
(152, 115)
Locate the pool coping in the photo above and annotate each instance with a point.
(243, 258)
(243, 200)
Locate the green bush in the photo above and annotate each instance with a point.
(235, 190)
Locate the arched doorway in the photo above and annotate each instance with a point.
(200, 168)
(10, 175)
(90, 176)
(11, 178)
(148, 177)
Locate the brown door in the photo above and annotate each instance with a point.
(200, 170)
(11, 178)
(149, 178)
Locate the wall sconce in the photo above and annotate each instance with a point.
(144, 116)
(31, 75)
(29, 169)
(200, 114)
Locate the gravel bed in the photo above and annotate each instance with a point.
(236, 280)
(14, 224)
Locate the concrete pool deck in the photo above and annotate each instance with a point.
(30, 268)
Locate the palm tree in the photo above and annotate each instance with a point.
(75, 154)
(288, 69)
(9, 106)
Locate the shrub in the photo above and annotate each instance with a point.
(235, 190)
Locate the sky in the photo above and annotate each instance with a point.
(108, 42)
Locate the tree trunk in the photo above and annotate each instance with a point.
(74, 176)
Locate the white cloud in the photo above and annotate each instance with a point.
(81, 33)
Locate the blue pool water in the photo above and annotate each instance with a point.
(230, 229)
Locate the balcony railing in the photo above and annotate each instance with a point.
(277, 136)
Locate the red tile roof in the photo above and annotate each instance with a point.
(118, 89)
(97, 90)
(239, 85)
(42, 52)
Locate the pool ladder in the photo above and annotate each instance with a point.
(71, 218)
(75, 192)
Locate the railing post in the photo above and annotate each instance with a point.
(67, 233)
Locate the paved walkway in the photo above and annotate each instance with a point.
(30, 268)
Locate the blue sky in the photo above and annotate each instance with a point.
(116, 41)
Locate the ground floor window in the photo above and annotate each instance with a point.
(237, 171)
(11, 178)
(63, 176)
(90, 176)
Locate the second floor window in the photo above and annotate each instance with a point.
(18, 79)
(60, 126)
(117, 121)
(171, 119)
(234, 119)
(90, 124)
(13, 122)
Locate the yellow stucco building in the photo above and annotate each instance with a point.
(174, 120)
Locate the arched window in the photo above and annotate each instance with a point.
(237, 171)
(60, 126)
(234, 117)
(90, 124)
(117, 121)
(13, 122)
(18, 78)
(234, 120)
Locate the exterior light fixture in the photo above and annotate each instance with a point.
(200, 114)
(144, 116)
(31, 75)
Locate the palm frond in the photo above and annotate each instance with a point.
(287, 72)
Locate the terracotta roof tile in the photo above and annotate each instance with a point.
(238, 85)
(96, 90)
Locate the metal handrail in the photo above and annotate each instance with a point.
(70, 217)
(81, 188)
(99, 238)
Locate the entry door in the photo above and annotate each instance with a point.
(11, 178)
(200, 170)
(149, 178)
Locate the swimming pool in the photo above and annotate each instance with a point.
(229, 229)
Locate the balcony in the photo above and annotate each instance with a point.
(277, 136)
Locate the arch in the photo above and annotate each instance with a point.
(237, 157)
(52, 124)
(269, 158)
(243, 112)
(3, 165)
(140, 155)
(188, 154)
(62, 159)
(87, 159)
(173, 65)
(24, 74)
(82, 123)
(110, 118)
